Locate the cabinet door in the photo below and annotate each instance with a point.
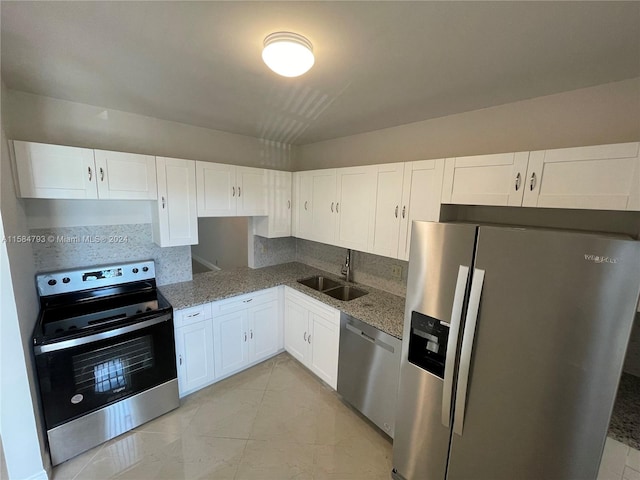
(252, 191)
(485, 179)
(194, 356)
(323, 206)
(422, 188)
(304, 205)
(386, 232)
(296, 329)
(355, 207)
(175, 218)
(280, 204)
(217, 189)
(54, 171)
(263, 330)
(231, 342)
(324, 342)
(126, 176)
(603, 177)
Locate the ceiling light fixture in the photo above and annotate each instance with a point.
(288, 54)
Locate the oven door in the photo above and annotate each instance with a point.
(84, 374)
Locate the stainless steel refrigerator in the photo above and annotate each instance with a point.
(513, 345)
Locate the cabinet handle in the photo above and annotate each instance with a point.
(309, 339)
(101, 174)
(397, 211)
(338, 207)
(518, 181)
(247, 301)
(288, 204)
(251, 334)
(245, 336)
(180, 359)
(332, 207)
(239, 192)
(305, 204)
(163, 202)
(404, 210)
(90, 173)
(533, 182)
(233, 191)
(305, 336)
(194, 314)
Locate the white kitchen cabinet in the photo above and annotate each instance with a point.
(386, 234)
(247, 330)
(355, 207)
(312, 334)
(485, 179)
(323, 206)
(422, 188)
(125, 176)
(56, 171)
(303, 220)
(602, 177)
(277, 223)
(175, 220)
(194, 348)
(229, 191)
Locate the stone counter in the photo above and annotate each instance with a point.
(379, 309)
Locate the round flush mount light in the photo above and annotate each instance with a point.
(288, 54)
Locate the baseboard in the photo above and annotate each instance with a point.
(204, 262)
(41, 475)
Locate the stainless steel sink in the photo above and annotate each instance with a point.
(345, 293)
(319, 283)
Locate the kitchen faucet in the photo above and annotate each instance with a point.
(346, 268)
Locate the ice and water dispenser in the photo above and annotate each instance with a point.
(428, 343)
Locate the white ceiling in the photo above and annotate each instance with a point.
(378, 64)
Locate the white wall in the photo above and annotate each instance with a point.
(223, 241)
(48, 120)
(607, 113)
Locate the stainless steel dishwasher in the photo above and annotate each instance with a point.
(369, 370)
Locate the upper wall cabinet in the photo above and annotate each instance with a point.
(422, 188)
(485, 179)
(323, 205)
(302, 221)
(230, 191)
(356, 207)
(278, 222)
(388, 209)
(602, 177)
(56, 171)
(126, 175)
(175, 219)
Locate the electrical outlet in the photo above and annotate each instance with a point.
(396, 271)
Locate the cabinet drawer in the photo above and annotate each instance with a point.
(190, 315)
(244, 301)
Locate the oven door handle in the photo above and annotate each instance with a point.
(96, 337)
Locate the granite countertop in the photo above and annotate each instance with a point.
(379, 309)
(625, 420)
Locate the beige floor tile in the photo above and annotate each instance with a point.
(133, 450)
(630, 474)
(288, 374)
(175, 421)
(255, 378)
(633, 459)
(69, 469)
(614, 456)
(276, 460)
(228, 413)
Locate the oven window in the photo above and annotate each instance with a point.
(109, 369)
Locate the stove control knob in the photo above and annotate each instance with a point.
(66, 280)
(145, 269)
(135, 270)
(52, 282)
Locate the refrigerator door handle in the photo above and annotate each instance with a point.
(466, 350)
(452, 343)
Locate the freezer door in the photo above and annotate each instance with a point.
(439, 267)
(553, 320)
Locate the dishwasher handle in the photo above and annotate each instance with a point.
(369, 338)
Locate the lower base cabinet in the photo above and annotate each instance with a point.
(312, 334)
(247, 329)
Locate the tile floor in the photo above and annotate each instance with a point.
(619, 462)
(272, 421)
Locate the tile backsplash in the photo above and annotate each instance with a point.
(273, 251)
(73, 247)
